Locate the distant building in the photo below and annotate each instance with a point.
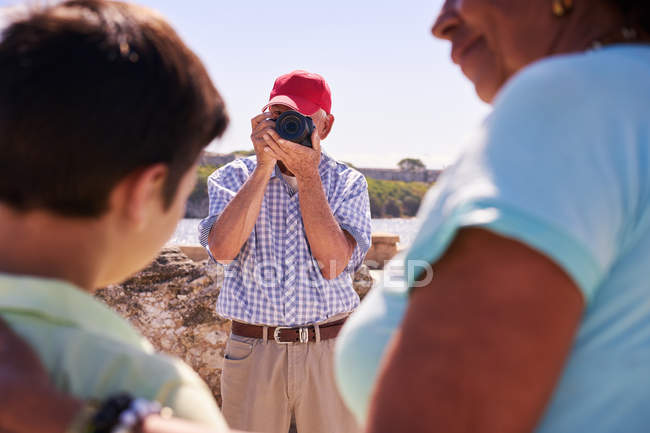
(427, 176)
(217, 159)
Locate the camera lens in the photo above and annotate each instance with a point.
(292, 126)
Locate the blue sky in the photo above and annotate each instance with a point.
(395, 91)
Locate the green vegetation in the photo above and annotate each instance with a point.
(200, 191)
(205, 171)
(243, 153)
(388, 198)
(394, 199)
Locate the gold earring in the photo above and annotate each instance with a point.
(562, 7)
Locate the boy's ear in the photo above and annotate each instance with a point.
(140, 193)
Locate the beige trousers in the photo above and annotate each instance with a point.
(264, 383)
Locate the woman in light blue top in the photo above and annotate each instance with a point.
(535, 313)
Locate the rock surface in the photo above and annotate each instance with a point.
(172, 303)
(363, 281)
(383, 248)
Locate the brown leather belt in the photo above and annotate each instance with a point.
(284, 335)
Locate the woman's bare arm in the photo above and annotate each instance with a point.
(482, 345)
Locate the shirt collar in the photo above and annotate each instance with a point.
(64, 304)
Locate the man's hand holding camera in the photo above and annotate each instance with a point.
(261, 125)
(301, 160)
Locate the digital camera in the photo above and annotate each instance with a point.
(295, 127)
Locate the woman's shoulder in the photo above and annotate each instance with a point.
(592, 79)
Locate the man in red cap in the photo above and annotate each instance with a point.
(292, 225)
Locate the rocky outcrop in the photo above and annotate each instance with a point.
(197, 206)
(172, 303)
(382, 249)
(363, 281)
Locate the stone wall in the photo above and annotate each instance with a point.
(172, 303)
(426, 176)
(216, 159)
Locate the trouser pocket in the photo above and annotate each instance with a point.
(238, 348)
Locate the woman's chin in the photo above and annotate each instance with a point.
(486, 87)
(485, 95)
(484, 73)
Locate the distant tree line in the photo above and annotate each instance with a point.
(388, 198)
(395, 199)
(411, 164)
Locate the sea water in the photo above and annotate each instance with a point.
(187, 232)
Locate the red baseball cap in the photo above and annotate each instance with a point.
(303, 91)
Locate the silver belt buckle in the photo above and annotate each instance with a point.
(276, 335)
(303, 335)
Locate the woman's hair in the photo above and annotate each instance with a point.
(636, 11)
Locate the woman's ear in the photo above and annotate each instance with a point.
(328, 121)
(140, 195)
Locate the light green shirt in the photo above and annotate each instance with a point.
(92, 353)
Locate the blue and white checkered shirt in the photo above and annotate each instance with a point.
(274, 280)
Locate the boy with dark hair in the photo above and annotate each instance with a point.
(103, 114)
